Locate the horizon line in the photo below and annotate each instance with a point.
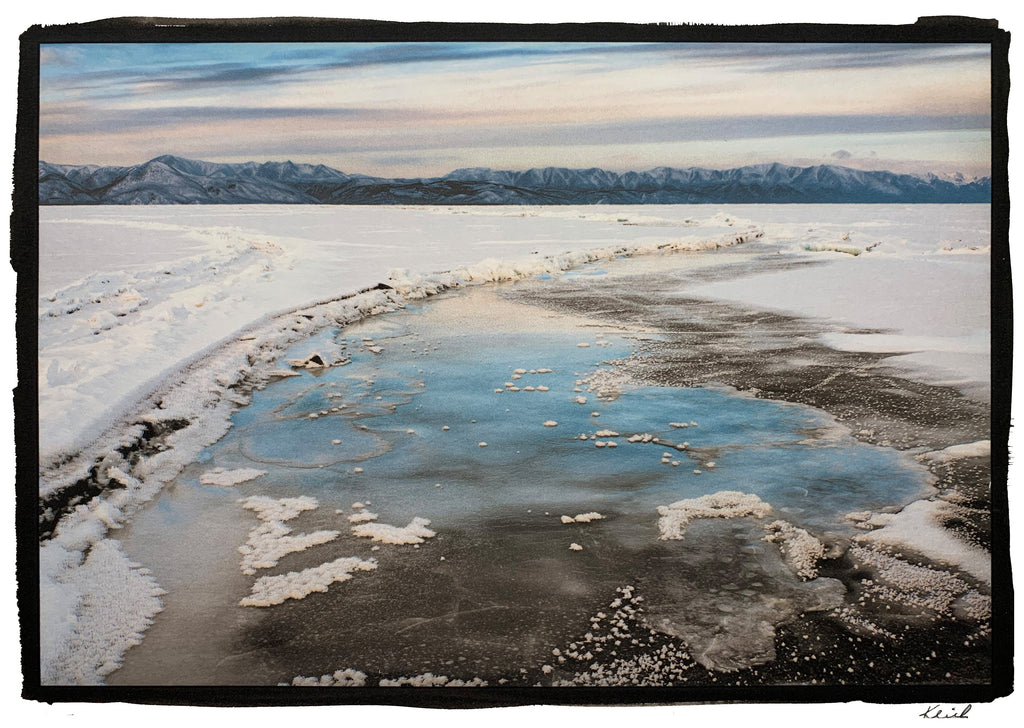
(527, 169)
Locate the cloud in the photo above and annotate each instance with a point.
(774, 57)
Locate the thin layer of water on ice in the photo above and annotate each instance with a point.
(399, 428)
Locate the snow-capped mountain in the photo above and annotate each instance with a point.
(174, 180)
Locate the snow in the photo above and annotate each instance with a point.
(413, 533)
(278, 509)
(339, 678)
(430, 680)
(270, 540)
(917, 527)
(81, 646)
(271, 590)
(979, 449)
(801, 549)
(898, 580)
(219, 476)
(723, 504)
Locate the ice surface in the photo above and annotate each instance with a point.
(428, 399)
(109, 337)
(129, 294)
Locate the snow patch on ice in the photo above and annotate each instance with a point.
(430, 680)
(918, 527)
(979, 449)
(896, 579)
(219, 476)
(723, 504)
(414, 533)
(271, 590)
(583, 517)
(270, 541)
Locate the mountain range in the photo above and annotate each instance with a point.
(170, 180)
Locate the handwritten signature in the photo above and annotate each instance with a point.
(937, 711)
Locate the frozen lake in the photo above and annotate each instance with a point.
(504, 580)
(480, 476)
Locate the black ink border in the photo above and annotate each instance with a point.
(24, 258)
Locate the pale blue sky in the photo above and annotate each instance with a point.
(427, 108)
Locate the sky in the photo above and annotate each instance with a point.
(423, 109)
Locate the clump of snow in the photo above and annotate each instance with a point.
(278, 509)
(575, 547)
(271, 590)
(801, 549)
(723, 504)
(896, 579)
(227, 478)
(587, 517)
(414, 533)
(270, 541)
(430, 680)
(339, 678)
(979, 449)
(918, 527)
(362, 517)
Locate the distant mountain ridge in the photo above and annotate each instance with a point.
(169, 180)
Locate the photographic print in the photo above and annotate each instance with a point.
(518, 364)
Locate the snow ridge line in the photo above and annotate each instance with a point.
(100, 487)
